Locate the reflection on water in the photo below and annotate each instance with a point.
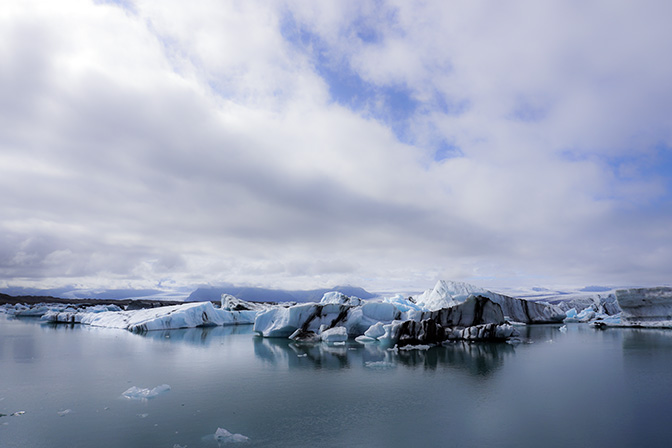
(639, 338)
(537, 333)
(576, 387)
(476, 358)
(278, 351)
(197, 336)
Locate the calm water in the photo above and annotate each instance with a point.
(580, 388)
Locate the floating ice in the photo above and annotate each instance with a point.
(40, 309)
(379, 365)
(600, 303)
(64, 412)
(340, 299)
(224, 436)
(447, 294)
(563, 329)
(334, 335)
(188, 315)
(136, 393)
(646, 307)
(415, 347)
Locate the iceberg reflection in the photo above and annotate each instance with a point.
(197, 336)
(481, 359)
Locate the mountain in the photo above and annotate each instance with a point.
(272, 295)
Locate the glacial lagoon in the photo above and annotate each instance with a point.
(63, 386)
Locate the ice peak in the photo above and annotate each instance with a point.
(456, 289)
(446, 294)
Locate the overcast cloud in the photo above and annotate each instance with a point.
(299, 144)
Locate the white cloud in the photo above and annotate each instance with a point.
(199, 143)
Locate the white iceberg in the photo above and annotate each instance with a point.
(477, 318)
(224, 436)
(188, 315)
(446, 294)
(309, 317)
(601, 303)
(40, 309)
(375, 331)
(334, 335)
(137, 393)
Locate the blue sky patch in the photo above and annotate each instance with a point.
(393, 105)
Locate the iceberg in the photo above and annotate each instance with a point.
(40, 309)
(340, 298)
(232, 303)
(446, 294)
(334, 335)
(188, 315)
(136, 393)
(224, 436)
(646, 307)
(605, 304)
(477, 318)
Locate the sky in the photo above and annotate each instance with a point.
(161, 145)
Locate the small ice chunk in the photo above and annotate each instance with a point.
(379, 365)
(137, 393)
(563, 329)
(64, 412)
(336, 334)
(143, 415)
(14, 414)
(364, 339)
(415, 347)
(224, 436)
(375, 331)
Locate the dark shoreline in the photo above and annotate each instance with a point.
(123, 303)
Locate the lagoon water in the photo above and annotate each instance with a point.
(583, 387)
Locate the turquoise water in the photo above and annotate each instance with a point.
(584, 387)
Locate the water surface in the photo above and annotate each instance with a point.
(580, 388)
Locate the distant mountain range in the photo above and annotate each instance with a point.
(205, 293)
(273, 295)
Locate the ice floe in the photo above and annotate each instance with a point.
(224, 436)
(477, 318)
(187, 315)
(137, 393)
(40, 309)
(446, 294)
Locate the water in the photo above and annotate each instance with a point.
(580, 388)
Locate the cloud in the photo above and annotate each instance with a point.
(296, 144)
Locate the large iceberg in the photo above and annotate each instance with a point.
(40, 309)
(646, 307)
(477, 318)
(188, 315)
(446, 294)
(604, 304)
